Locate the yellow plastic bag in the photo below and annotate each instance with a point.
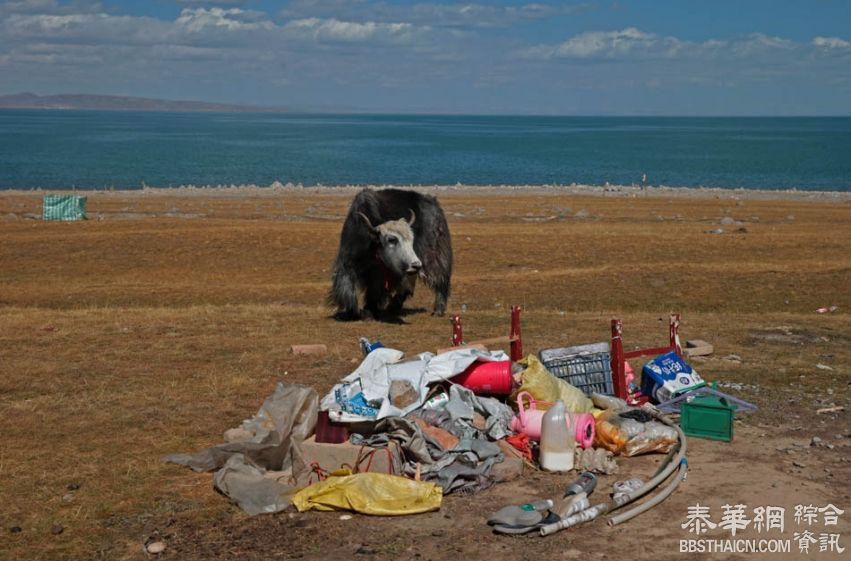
(543, 386)
(370, 493)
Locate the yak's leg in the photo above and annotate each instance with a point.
(376, 300)
(441, 295)
(404, 291)
(344, 295)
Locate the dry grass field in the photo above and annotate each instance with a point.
(167, 318)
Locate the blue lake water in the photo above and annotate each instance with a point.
(124, 150)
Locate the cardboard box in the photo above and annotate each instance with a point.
(331, 457)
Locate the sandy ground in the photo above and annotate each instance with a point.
(167, 318)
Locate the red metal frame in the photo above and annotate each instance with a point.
(515, 336)
(619, 356)
(515, 339)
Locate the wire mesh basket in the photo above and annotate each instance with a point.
(588, 367)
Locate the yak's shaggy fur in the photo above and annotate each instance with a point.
(365, 262)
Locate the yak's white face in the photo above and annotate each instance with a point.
(396, 245)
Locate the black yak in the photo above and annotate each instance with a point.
(390, 237)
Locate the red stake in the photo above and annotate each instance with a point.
(456, 330)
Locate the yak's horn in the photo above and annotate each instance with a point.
(413, 217)
(368, 223)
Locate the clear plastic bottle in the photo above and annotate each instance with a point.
(557, 439)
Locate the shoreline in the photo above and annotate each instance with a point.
(626, 191)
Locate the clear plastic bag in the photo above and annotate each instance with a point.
(631, 437)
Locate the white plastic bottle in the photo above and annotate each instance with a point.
(558, 439)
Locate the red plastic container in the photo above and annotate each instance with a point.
(487, 377)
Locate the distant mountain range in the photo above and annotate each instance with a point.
(119, 103)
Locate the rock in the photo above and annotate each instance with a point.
(73, 486)
(799, 465)
(816, 441)
(314, 349)
(832, 408)
(403, 393)
(155, 547)
(698, 347)
(16, 529)
(57, 529)
(727, 221)
(715, 231)
(821, 366)
(733, 358)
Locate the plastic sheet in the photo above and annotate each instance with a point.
(370, 493)
(543, 386)
(630, 437)
(269, 441)
(364, 395)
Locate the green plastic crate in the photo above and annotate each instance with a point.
(708, 417)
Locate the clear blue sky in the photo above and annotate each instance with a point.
(662, 57)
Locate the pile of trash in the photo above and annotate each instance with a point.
(398, 433)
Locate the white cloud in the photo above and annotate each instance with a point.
(831, 43)
(95, 29)
(202, 27)
(48, 7)
(482, 15)
(757, 45)
(608, 45)
(346, 31)
(461, 15)
(233, 19)
(211, 2)
(633, 44)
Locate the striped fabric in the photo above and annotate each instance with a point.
(64, 207)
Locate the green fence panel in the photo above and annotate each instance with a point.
(64, 207)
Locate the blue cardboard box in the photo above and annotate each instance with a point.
(667, 376)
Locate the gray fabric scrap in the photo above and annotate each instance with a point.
(466, 468)
(463, 403)
(273, 438)
(247, 485)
